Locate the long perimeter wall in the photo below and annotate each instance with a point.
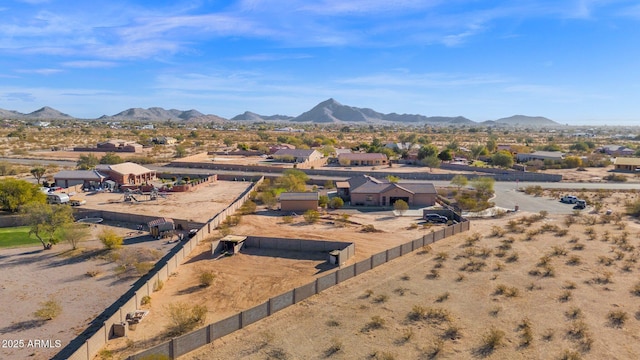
(186, 343)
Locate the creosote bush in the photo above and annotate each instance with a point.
(48, 310)
(184, 317)
(206, 278)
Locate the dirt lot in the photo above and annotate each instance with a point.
(245, 280)
(199, 205)
(431, 306)
(32, 275)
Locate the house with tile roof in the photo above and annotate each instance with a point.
(365, 190)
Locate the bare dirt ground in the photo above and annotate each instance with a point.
(32, 275)
(245, 280)
(199, 205)
(561, 295)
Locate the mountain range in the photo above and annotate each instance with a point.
(326, 112)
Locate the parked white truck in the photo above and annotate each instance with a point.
(57, 198)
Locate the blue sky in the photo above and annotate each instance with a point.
(574, 61)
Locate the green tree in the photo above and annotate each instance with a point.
(249, 207)
(323, 201)
(431, 162)
(38, 173)
(87, 162)
(400, 206)
(268, 199)
(228, 141)
(459, 181)
(74, 233)
(502, 158)
(572, 162)
(45, 220)
(293, 180)
(181, 151)
(492, 145)
(336, 203)
(445, 155)
(14, 193)
(426, 151)
(478, 150)
(111, 158)
(484, 186)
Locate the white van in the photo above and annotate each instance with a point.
(57, 198)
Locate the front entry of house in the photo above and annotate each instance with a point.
(393, 199)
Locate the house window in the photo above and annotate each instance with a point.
(384, 200)
(369, 197)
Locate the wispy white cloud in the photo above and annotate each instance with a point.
(89, 64)
(39, 71)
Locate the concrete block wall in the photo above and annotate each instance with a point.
(305, 291)
(363, 266)
(406, 248)
(254, 314)
(189, 342)
(346, 273)
(327, 281)
(378, 259)
(226, 326)
(165, 348)
(394, 253)
(281, 301)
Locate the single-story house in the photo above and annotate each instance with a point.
(119, 146)
(541, 155)
(297, 155)
(127, 173)
(616, 150)
(274, 148)
(626, 164)
(86, 178)
(362, 159)
(369, 191)
(299, 201)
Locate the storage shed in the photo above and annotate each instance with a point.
(161, 227)
(299, 201)
(231, 244)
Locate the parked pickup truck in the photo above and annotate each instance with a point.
(569, 199)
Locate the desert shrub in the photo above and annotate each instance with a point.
(407, 335)
(433, 274)
(605, 260)
(441, 256)
(417, 313)
(574, 260)
(491, 340)
(548, 334)
(495, 311)
(335, 346)
(369, 229)
(336, 203)
(145, 300)
(473, 266)
(376, 322)
(287, 219)
(110, 239)
(48, 310)
(570, 355)
(452, 332)
(557, 250)
(249, 207)
(311, 216)
(332, 323)
(578, 246)
(442, 297)
(617, 318)
(158, 285)
(615, 178)
(184, 317)
(400, 291)
(206, 278)
(512, 258)
(506, 291)
(565, 296)
(497, 231)
(382, 298)
(635, 289)
(573, 313)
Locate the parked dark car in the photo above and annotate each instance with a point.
(436, 218)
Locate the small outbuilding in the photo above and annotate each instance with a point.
(299, 201)
(231, 244)
(161, 227)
